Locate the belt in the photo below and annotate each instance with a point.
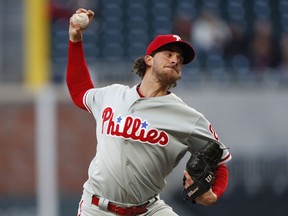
(122, 210)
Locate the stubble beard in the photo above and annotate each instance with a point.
(166, 78)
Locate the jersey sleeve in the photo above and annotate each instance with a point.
(221, 180)
(203, 133)
(77, 76)
(94, 98)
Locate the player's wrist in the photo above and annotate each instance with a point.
(75, 38)
(207, 199)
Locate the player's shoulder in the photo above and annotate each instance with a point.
(107, 91)
(184, 105)
(118, 86)
(114, 87)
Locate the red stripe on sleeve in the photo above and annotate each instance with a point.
(227, 158)
(77, 76)
(221, 180)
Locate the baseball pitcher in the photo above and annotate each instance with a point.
(143, 132)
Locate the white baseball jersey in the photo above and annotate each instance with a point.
(140, 141)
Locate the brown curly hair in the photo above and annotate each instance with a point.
(139, 67)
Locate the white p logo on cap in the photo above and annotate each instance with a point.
(177, 37)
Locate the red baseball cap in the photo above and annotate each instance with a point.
(161, 40)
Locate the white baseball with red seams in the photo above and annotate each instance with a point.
(81, 19)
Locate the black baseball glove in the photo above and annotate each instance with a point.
(201, 167)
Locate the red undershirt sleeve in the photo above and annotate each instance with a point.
(77, 76)
(221, 180)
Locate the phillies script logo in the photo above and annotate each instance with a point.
(132, 128)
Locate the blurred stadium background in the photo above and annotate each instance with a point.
(239, 80)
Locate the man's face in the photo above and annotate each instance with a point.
(167, 66)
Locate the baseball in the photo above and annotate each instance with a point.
(81, 19)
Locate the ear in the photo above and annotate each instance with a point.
(148, 60)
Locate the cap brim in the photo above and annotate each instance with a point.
(188, 51)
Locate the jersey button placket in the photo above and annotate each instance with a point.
(130, 183)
